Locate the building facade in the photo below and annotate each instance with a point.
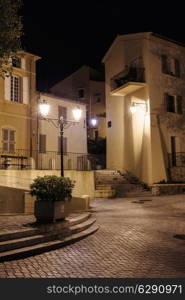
(145, 74)
(88, 86)
(17, 104)
(27, 142)
(74, 139)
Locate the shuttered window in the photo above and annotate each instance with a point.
(42, 143)
(62, 112)
(8, 140)
(64, 145)
(15, 89)
(170, 66)
(174, 103)
(179, 109)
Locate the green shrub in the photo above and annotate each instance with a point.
(52, 188)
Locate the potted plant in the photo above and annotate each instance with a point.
(51, 194)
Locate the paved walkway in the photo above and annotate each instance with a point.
(135, 239)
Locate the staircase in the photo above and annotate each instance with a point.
(111, 184)
(45, 237)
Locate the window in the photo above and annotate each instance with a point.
(170, 66)
(96, 135)
(64, 145)
(8, 140)
(173, 150)
(81, 93)
(62, 112)
(16, 62)
(173, 103)
(42, 143)
(109, 124)
(15, 89)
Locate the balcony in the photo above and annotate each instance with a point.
(128, 81)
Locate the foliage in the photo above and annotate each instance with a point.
(52, 188)
(10, 32)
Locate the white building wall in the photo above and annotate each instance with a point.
(76, 135)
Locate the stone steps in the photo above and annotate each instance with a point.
(104, 193)
(111, 180)
(46, 237)
(46, 246)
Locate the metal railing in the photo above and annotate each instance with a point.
(133, 74)
(50, 160)
(176, 159)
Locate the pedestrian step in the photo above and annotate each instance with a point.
(103, 187)
(46, 246)
(82, 226)
(104, 193)
(35, 239)
(16, 234)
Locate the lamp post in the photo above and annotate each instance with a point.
(60, 123)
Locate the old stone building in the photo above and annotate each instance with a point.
(145, 90)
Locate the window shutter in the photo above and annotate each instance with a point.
(179, 104)
(64, 145)
(62, 111)
(59, 144)
(164, 63)
(5, 134)
(177, 68)
(5, 140)
(42, 143)
(20, 90)
(170, 103)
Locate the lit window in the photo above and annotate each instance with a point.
(8, 140)
(15, 89)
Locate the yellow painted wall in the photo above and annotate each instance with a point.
(22, 179)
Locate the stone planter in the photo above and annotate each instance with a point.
(49, 211)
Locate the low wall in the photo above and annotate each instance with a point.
(177, 173)
(84, 180)
(11, 200)
(14, 188)
(167, 189)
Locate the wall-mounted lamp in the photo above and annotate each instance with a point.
(142, 106)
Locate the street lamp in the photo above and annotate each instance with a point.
(60, 123)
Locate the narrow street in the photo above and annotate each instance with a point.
(135, 239)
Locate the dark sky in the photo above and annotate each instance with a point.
(69, 34)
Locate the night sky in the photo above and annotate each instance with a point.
(69, 34)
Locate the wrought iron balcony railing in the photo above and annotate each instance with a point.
(133, 74)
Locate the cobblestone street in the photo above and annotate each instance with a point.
(135, 239)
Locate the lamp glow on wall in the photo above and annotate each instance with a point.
(138, 106)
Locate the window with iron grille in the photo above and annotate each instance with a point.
(15, 89)
(8, 140)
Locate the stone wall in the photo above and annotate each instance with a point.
(177, 173)
(167, 189)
